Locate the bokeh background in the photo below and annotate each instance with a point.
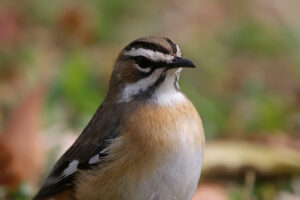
(55, 63)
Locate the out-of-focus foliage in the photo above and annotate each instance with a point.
(247, 80)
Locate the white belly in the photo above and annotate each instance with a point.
(176, 179)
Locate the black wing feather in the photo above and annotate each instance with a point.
(95, 137)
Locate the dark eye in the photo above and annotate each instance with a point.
(142, 61)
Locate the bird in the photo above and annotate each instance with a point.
(145, 141)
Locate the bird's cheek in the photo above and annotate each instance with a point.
(130, 75)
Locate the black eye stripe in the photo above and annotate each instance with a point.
(142, 61)
(145, 62)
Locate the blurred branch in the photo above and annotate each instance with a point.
(266, 157)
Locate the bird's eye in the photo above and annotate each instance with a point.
(142, 61)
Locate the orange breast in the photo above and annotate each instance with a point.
(155, 129)
(151, 134)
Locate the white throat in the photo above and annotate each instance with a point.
(167, 94)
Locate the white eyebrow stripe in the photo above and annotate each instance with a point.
(178, 53)
(150, 54)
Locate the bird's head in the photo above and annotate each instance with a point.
(148, 69)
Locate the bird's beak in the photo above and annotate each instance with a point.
(180, 62)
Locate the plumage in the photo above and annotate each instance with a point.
(150, 148)
(145, 141)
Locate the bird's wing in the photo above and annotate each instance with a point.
(85, 153)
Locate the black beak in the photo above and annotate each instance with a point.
(180, 62)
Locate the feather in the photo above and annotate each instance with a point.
(98, 134)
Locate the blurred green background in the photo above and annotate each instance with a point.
(55, 63)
